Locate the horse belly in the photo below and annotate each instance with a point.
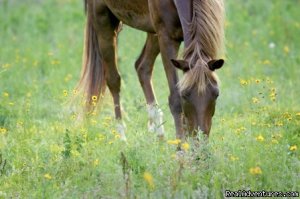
(134, 13)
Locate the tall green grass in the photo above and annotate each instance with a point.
(46, 153)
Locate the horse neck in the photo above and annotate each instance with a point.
(185, 13)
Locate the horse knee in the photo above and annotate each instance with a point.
(138, 63)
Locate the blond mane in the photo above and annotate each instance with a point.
(207, 42)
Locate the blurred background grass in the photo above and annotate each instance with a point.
(40, 60)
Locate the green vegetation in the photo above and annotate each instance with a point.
(46, 153)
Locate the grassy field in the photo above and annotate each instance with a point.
(46, 153)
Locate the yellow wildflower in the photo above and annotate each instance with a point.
(238, 131)
(6, 65)
(3, 130)
(114, 132)
(5, 94)
(233, 158)
(96, 162)
(65, 92)
(243, 82)
(149, 179)
(185, 146)
(286, 115)
(269, 81)
(175, 142)
(75, 92)
(260, 138)
(286, 49)
(293, 148)
(255, 170)
(243, 128)
(273, 96)
(48, 176)
(101, 137)
(255, 100)
(94, 98)
(289, 118)
(298, 114)
(257, 81)
(266, 62)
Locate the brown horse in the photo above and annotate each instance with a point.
(167, 22)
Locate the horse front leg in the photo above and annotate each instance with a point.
(144, 67)
(169, 50)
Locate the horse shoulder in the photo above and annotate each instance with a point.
(165, 18)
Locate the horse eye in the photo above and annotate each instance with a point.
(185, 95)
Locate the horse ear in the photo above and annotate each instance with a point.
(181, 64)
(215, 64)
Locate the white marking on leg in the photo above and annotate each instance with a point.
(155, 123)
(121, 128)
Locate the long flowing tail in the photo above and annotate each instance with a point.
(206, 30)
(92, 81)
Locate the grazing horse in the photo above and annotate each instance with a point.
(199, 23)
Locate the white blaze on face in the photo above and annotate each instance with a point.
(155, 124)
(121, 128)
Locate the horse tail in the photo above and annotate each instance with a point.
(92, 81)
(206, 30)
